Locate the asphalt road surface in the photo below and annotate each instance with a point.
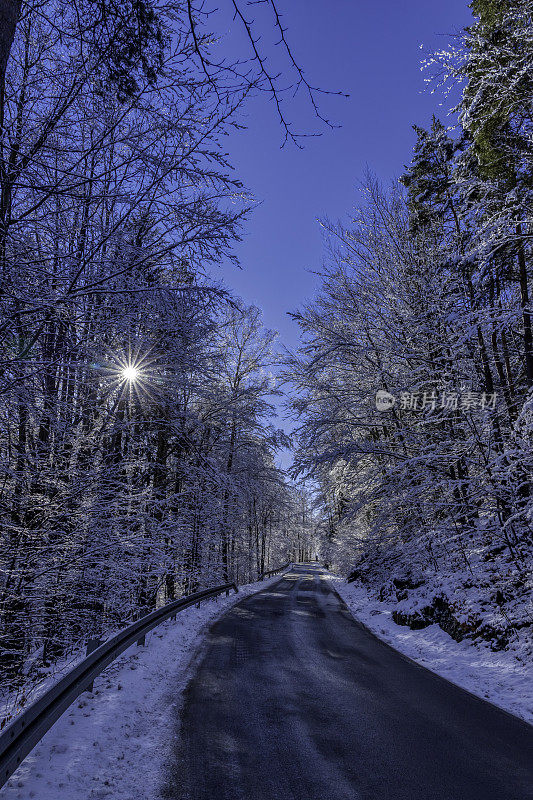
(294, 700)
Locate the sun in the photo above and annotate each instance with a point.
(130, 373)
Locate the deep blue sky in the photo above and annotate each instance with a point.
(371, 50)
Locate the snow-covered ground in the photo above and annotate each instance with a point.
(495, 676)
(112, 742)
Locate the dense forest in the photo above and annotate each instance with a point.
(138, 444)
(137, 448)
(414, 380)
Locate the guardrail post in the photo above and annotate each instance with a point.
(92, 644)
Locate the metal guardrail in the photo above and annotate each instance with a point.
(274, 571)
(21, 736)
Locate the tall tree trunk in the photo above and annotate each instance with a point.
(524, 302)
(9, 17)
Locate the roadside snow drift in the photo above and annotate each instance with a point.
(495, 676)
(112, 742)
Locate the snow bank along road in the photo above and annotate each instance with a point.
(295, 699)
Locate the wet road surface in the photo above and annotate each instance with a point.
(295, 700)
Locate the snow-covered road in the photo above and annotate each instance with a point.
(295, 700)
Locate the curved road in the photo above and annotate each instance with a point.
(294, 700)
